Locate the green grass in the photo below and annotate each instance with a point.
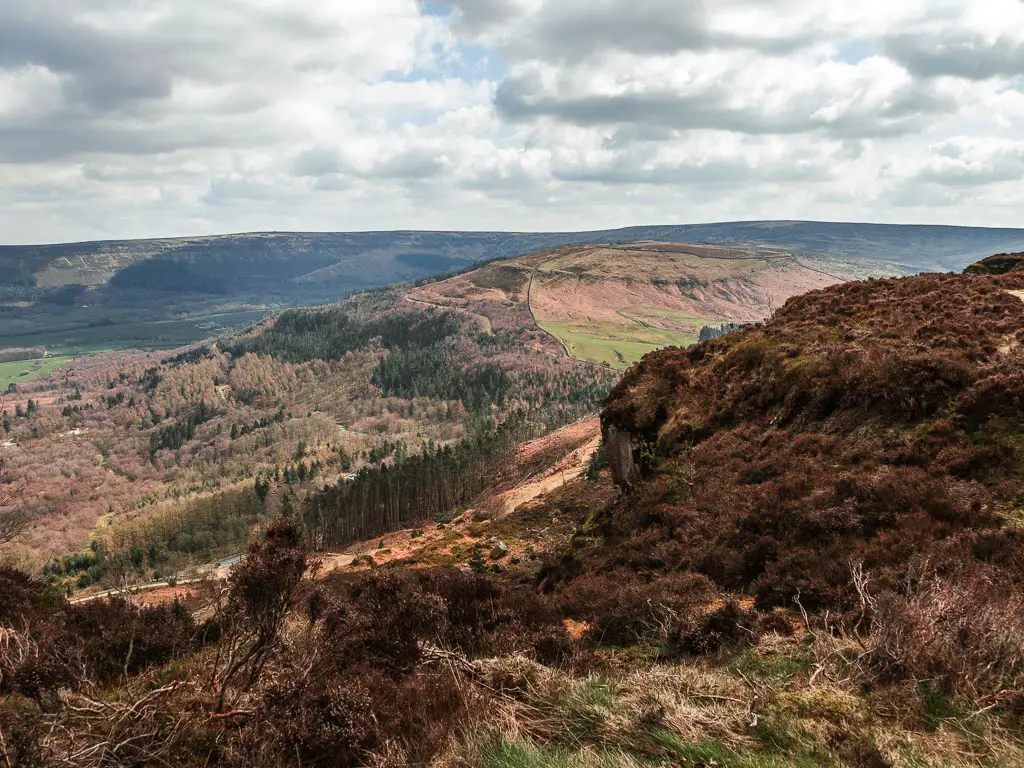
(642, 315)
(617, 345)
(776, 668)
(708, 752)
(499, 752)
(22, 371)
(587, 708)
(66, 346)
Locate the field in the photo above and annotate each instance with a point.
(163, 334)
(28, 370)
(616, 345)
(65, 346)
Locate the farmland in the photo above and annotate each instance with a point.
(617, 345)
(20, 371)
(65, 346)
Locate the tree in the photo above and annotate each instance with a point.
(262, 591)
(13, 517)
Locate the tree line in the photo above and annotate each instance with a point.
(301, 335)
(417, 488)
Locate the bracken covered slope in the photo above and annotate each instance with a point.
(879, 422)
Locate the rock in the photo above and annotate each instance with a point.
(621, 448)
(498, 548)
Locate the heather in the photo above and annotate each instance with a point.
(799, 545)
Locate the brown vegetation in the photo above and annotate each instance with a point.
(875, 421)
(819, 563)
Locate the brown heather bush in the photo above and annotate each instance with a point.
(680, 612)
(961, 634)
(96, 643)
(876, 421)
(263, 589)
(380, 667)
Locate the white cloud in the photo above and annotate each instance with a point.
(178, 117)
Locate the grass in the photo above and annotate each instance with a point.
(21, 371)
(616, 345)
(775, 668)
(709, 752)
(66, 346)
(645, 315)
(161, 334)
(500, 752)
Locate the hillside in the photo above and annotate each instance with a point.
(162, 461)
(611, 304)
(876, 420)
(91, 294)
(814, 558)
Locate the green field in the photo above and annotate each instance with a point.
(617, 345)
(65, 346)
(22, 371)
(161, 334)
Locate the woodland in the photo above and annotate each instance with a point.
(799, 544)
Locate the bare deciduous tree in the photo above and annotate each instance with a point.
(13, 517)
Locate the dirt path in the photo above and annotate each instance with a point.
(529, 305)
(483, 320)
(133, 591)
(334, 561)
(566, 469)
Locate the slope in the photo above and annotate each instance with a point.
(611, 304)
(57, 287)
(818, 562)
(876, 421)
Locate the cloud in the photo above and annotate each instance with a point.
(871, 98)
(969, 162)
(180, 116)
(319, 161)
(971, 57)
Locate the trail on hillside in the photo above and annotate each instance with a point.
(574, 465)
(568, 468)
(483, 320)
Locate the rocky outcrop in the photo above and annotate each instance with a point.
(623, 449)
(1000, 264)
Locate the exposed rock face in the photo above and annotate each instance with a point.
(622, 448)
(1000, 264)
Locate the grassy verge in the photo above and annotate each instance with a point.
(763, 709)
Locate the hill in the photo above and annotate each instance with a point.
(165, 459)
(91, 294)
(877, 420)
(611, 304)
(815, 559)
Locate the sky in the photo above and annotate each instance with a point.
(151, 118)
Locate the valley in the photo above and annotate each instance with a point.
(88, 289)
(158, 461)
(795, 540)
(122, 450)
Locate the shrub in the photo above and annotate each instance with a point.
(624, 608)
(962, 633)
(24, 600)
(727, 627)
(99, 642)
